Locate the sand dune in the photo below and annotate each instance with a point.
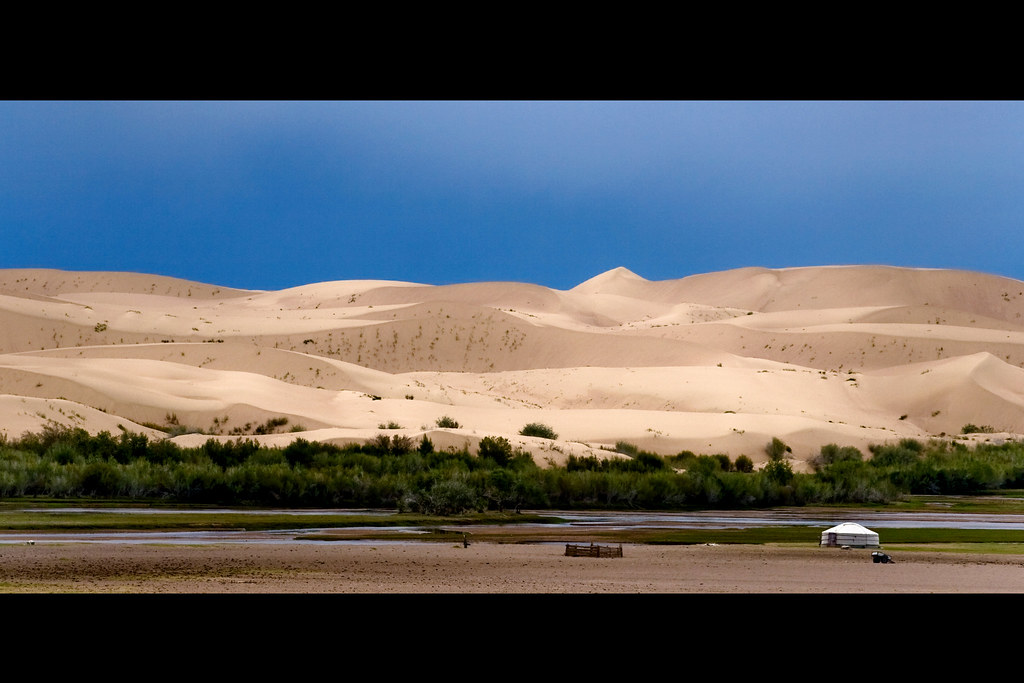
(712, 363)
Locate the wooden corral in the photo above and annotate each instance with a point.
(592, 550)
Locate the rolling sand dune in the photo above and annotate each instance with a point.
(713, 363)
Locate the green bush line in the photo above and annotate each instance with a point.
(64, 463)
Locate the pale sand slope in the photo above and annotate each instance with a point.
(715, 363)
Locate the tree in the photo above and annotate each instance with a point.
(451, 496)
(779, 471)
(497, 448)
(400, 443)
(832, 454)
(380, 444)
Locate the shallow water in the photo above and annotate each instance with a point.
(208, 511)
(717, 519)
(281, 537)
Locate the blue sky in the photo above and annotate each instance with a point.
(267, 195)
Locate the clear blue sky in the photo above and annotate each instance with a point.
(266, 195)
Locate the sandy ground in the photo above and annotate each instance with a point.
(492, 568)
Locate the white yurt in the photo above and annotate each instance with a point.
(849, 534)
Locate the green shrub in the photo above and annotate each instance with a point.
(626, 448)
(744, 464)
(832, 454)
(271, 425)
(651, 462)
(777, 449)
(585, 463)
(779, 471)
(975, 429)
(400, 443)
(448, 497)
(380, 444)
(895, 455)
(538, 429)
(229, 453)
(704, 465)
(178, 430)
(445, 422)
(912, 444)
(497, 448)
(63, 453)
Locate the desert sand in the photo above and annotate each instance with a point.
(421, 568)
(713, 363)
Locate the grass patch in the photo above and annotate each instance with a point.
(1008, 502)
(758, 535)
(14, 518)
(946, 536)
(992, 548)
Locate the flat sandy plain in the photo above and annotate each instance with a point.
(489, 568)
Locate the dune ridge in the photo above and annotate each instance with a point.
(711, 363)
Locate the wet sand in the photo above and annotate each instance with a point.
(495, 568)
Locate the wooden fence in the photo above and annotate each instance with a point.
(592, 550)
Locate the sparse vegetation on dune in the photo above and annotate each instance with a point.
(538, 429)
(975, 429)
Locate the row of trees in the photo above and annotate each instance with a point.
(400, 473)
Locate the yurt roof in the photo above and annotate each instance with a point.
(849, 528)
